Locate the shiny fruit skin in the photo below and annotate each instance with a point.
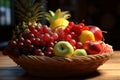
(86, 36)
(64, 49)
(60, 22)
(97, 32)
(80, 52)
(93, 47)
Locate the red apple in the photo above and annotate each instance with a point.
(97, 32)
(93, 47)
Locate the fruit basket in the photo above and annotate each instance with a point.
(62, 48)
(61, 67)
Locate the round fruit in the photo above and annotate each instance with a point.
(93, 47)
(86, 36)
(80, 52)
(97, 32)
(59, 23)
(63, 48)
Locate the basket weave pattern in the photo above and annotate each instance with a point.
(60, 66)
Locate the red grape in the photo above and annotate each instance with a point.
(38, 52)
(46, 37)
(79, 45)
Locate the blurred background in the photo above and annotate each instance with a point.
(102, 13)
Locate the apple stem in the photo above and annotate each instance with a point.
(105, 32)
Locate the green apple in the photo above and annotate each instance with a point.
(63, 48)
(80, 52)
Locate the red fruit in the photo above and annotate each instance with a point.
(25, 35)
(21, 39)
(46, 37)
(82, 24)
(31, 47)
(35, 32)
(12, 44)
(38, 52)
(31, 28)
(27, 42)
(20, 45)
(50, 44)
(39, 29)
(71, 23)
(93, 47)
(45, 29)
(69, 27)
(79, 45)
(35, 41)
(68, 37)
(97, 32)
(49, 54)
(72, 42)
(55, 36)
(77, 29)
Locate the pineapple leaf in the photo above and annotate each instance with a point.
(51, 13)
(49, 17)
(19, 6)
(58, 13)
(52, 16)
(66, 14)
(28, 10)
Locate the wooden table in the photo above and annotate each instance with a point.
(108, 71)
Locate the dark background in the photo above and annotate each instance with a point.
(102, 13)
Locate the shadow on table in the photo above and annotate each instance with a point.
(17, 73)
(26, 76)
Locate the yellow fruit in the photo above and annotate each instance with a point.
(57, 19)
(80, 52)
(60, 22)
(86, 36)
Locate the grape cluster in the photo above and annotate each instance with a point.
(40, 40)
(71, 34)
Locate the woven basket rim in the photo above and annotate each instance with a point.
(64, 59)
(42, 65)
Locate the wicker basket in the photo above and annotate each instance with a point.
(60, 66)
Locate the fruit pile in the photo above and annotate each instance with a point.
(63, 38)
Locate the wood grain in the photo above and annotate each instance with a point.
(108, 71)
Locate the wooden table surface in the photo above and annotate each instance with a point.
(108, 71)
